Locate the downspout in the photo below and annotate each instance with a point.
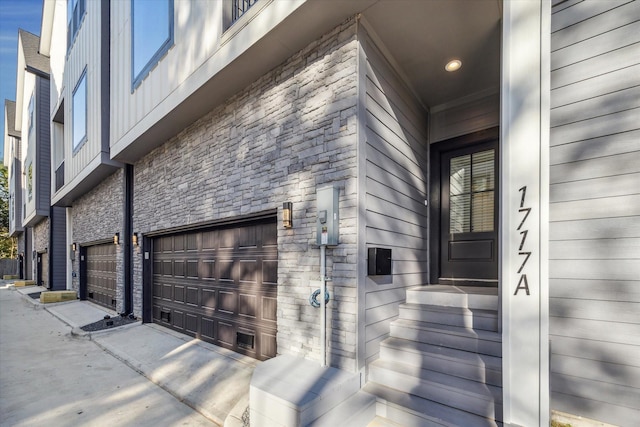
(323, 305)
(128, 232)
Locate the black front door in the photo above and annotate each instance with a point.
(469, 215)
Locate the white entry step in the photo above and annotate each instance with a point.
(470, 297)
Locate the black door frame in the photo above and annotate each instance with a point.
(436, 152)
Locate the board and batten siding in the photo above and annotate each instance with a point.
(595, 210)
(86, 53)
(43, 170)
(396, 186)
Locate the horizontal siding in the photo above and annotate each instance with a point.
(598, 290)
(396, 189)
(464, 117)
(594, 248)
(592, 148)
(599, 228)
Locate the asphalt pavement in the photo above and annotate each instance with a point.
(52, 373)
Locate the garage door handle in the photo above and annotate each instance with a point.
(165, 316)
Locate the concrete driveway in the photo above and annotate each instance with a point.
(137, 375)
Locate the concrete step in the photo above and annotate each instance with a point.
(57, 296)
(357, 410)
(455, 316)
(475, 341)
(471, 297)
(470, 396)
(410, 410)
(462, 364)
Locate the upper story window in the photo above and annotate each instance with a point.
(240, 7)
(75, 13)
(233, 10)
(79, 112)
(151, 35)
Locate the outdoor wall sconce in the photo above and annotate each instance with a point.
(287, 213)
(134, 239)
(116, 239)
(74, 246)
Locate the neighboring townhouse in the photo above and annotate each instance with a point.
(43, 249)
(87, 185)
(461, 176)
(13, 162)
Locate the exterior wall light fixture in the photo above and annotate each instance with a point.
(74, 246)
(287, 215)
(116, 239)
(134, 239)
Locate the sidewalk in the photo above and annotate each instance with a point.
(210, 379)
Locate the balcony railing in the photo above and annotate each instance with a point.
(60, 176)
(240, 7)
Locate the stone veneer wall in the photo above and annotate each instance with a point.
(288, 133)
(96, 217)
(40, 243)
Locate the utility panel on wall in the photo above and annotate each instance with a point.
(328, 216)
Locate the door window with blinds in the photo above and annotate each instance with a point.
(472, 192)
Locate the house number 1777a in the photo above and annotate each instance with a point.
(523, 284)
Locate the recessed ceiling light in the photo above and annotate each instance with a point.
(453, 65)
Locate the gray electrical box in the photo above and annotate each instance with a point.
(328, 215)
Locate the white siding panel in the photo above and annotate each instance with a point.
(624, 99)
(608, 145)
(618, 185)
(597, 45)
(628, 163)
(395, 187)
(603, 269)
(602, 64)
(582, 12)
(597, 290)
(449, 121)
(599, 126)
(606, 311)
(84, 54)
(597, 24)
(625, 333)
(601, 228)
(596, 86)
(609, 207)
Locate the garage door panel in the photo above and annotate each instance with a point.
(247, 306)
(269, 305)
(270, 272)
(227, 301)
(207, 269)
(192, 269)
(248, 270)
(208, 328)
(228, 280)
(178, 293)
(191, 323)
(101, 274)
(209, 298)
(192, 296)
(226, 333)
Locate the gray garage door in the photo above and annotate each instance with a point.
(101, 275)
(220, 285)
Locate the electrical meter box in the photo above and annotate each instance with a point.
(328, 215)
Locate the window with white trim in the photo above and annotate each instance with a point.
(75, 13)
(151, 35)
(79, 112)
